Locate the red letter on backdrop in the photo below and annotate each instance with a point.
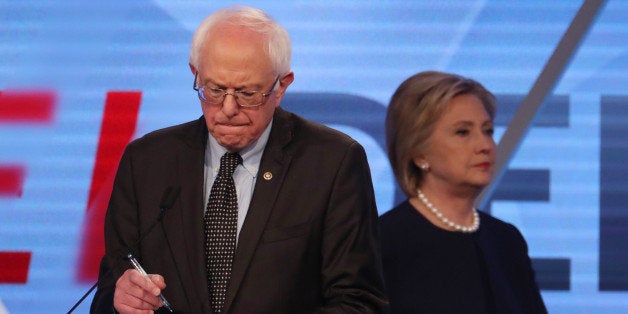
(118, 127)
(14, 267)
(24, 107)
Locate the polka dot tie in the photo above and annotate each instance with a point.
(221, 221)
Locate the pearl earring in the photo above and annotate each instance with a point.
(425, 167)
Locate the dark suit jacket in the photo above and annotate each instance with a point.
(309, 242)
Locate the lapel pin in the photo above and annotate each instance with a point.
(268, 175)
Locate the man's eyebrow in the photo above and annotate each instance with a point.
(237, 88)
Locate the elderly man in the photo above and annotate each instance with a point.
(273, 213)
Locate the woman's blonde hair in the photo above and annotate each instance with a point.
(414, 109)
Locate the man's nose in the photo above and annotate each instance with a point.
(230, 106)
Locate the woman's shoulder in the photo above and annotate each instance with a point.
(395, 222)
(396, 214)
(499, 228)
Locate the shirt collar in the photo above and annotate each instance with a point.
(251, 155)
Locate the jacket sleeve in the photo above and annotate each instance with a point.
(121, 205)
(352, 280)
(103, 299)
(532, 301)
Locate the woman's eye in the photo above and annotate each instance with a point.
(462, 132)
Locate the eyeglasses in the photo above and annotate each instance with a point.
(244, 98)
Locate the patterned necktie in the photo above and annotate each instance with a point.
(221, 221)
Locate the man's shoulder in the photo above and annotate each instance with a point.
(175, 130)
(310, 131)
(190, 132)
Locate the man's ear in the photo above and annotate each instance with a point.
(287, 79)
(284, 82)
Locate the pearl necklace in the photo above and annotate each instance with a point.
(473, 228)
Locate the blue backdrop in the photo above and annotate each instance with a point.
(565, 189)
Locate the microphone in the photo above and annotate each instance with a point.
(168, 198)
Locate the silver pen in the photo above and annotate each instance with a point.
(139, 268)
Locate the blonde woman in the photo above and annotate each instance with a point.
(440, 254)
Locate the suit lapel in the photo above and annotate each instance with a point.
(273, 167)
(188, 238)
